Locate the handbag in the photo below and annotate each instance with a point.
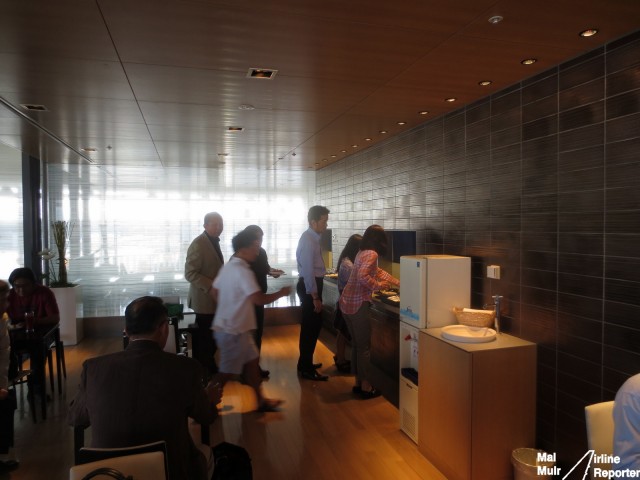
(232, 462)
(109, 472)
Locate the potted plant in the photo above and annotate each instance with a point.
(67, 293)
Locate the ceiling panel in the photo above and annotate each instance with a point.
(150, 82)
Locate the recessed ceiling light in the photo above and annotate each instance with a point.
(495, 19)
(367, 139)
(354, 146)
(401, 123)
(343, 151)
(334, 156)
(383, 131)
(262, 73)
(450, 99)
(485, 83)
(89, 149)
(589, 32)
(324, 159)
(35, 107)
(235, 129)
(423, 112)
(529, 61)
(246, 106)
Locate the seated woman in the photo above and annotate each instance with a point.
(28, 297)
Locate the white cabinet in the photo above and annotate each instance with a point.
(477, 402)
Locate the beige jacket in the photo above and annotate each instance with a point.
(200, 269)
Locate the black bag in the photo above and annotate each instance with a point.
(108, 472)
(232, 462)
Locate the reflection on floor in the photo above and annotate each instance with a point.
(323, 431)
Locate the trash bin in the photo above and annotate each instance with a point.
(525, 465)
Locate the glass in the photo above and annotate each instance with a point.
(29, 317)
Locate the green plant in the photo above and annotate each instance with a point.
(61, 232)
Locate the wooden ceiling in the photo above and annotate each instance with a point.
(159, 82)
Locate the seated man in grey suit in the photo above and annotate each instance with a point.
(143, 394)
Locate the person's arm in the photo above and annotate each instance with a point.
(4, 358)
(205, 399)
(78, 415)
(259, 298)
(214, 294)
(193, 266)
(49, 310)
(369, 275)
(305, 261)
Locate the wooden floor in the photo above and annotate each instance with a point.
(323, 432)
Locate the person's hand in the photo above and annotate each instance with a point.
(275, 273)
(214, 392)
(284, 291)
(317, 305)
(4, 393)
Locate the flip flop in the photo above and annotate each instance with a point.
(270, 405)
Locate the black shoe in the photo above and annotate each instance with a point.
(373, 393)
(313, 375)
(357, 389)
(264, 373)
(315, 366)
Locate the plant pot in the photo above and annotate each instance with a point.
(69, 301)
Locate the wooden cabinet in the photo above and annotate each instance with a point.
(476, 404)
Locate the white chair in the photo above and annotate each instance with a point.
(141, 466)
(599, 419)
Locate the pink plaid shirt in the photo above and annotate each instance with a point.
(366, 278)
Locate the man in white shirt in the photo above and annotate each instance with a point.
(236, 291)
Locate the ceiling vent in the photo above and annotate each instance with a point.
(263, 73)
(235, 129)
(34, 107)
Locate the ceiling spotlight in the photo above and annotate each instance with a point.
(343, 151)
(423, 112)
(495, 19)
(246, 106)
(589, 32)
(367, 139)
(293, 154)
(382, 131)
(334, 156)
(89, 149)
(402, 123)
(485, 83)
(354, 146)
(235, 129)
(262, 73)
(529, 61)
(450, 99)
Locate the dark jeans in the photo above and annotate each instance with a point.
(310, 325)
(204, 346)
(7, 407)
(257, 336)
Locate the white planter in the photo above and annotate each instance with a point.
(71, 322)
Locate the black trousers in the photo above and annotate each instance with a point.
(257, 335)
(204, 346)
(7, 407)
(310, 325)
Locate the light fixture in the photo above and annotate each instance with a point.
(343, 151)
(589, 32)
(485, 83)
(382, 131)
(262, 73)
(423, 112)
(495, 19)
(401, 123)
(89, 149)
(34, 107)
(334, 156)
(246, 106)
(450, 99)
(367, 139)
(529, 61)
(235, 129)
(354, 146)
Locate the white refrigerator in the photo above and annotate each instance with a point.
(430, 286)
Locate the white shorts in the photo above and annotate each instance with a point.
(236, 350)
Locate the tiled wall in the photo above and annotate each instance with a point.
(543, 179)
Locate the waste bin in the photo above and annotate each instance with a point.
(525, 465)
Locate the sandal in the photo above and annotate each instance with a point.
(270, 405)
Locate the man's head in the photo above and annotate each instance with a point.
(257, 231)
(146, 317)
(23, 281)
(213, 224)
(318, 218)
(246, 245)
(4, 293)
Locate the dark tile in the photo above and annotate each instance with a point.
(623, 53)
(505, 158)
(621, 359)
(580, 285)
(539, 278)
(505, 119)
(542, 222)
(580, 223)
(572, 74)
(622, 268)
(590, 202)
(623, 128)
(505, 101)
(580, 327)
(540, 147)
(581, 306)
(579, 347)
(591, 265)
(545, 87)
(478, 111)
(625, 198)
(540, 128)
(540, 260)
(624, 80)
(622, 291)
(623, 245)
(622, 314)
(454, 121)
(582, 116)
(581, 159)
(539, 297)
(540, 203)
(541, 108)
(578, 368)
(581, 137)
(623, 152)
(623, 222)
(581, 243)
(508, 136)
(622, 337)
(623, 104)
(478, 130)
(478, 162)
(584, 94)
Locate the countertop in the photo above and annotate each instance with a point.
(503, 340)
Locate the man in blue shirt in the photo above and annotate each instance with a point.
(311, 269)
(626, 418)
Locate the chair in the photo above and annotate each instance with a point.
(599, 419)
(142, 462)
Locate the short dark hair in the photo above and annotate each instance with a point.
(23, 272)
(243, 239)
(255, 229)
(316, 212)
(374, 238)
(144, 315)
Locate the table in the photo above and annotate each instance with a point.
(37, 344)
